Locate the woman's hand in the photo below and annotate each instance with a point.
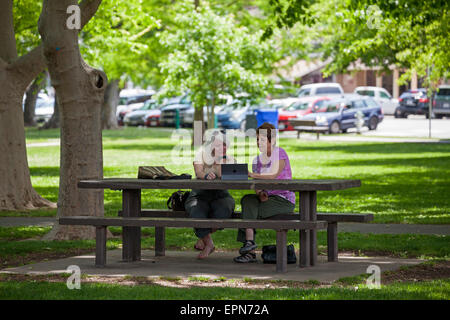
(251, 174)
(210, 176)
(263, 196)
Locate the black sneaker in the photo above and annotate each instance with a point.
(248, 246)
(246, 258)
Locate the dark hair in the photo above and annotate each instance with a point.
(270, 129)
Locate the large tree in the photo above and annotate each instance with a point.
(16, 73)
(79, 91)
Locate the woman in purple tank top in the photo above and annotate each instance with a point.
(271, 163)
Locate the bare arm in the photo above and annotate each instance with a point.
(277, 169)
(200, 172)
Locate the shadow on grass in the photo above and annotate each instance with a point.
(140, 147)
(44, 171)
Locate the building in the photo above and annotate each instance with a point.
(310, 71)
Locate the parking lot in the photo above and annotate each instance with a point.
(413, 126)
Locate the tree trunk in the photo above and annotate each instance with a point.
(30, 100)
(211, 116)
(109, 119)
(16, 192)
(80, 93)
(198, 116)
(53, 122)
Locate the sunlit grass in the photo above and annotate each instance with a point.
(401, 182)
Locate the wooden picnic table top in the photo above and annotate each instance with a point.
(275, 184)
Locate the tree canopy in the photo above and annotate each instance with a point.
(211, 56)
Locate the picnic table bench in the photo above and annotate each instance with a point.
(308, 126)
(132, 217)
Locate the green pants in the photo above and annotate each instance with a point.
(254, 209)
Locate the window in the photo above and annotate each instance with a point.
(304, 92)
(298, 106)
(384, 95)
(371, 103)
(358, 104)
(328, 90)
(443, 92)
(369, 93)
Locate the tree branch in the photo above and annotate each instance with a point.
(32, 63)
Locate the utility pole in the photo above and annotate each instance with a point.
(430, 102)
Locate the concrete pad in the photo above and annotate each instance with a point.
(183, 264)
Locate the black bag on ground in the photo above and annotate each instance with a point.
(177, 199)
(269, 254)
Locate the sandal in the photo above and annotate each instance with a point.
(246, 258)
(248, 246)
(202, 255)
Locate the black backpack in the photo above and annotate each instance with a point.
(269, 254)
(177, 200)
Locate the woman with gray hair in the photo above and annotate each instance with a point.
(214, 204)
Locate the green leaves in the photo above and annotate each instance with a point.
(210, 55)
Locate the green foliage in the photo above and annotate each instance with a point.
(26, 15)
(117, 39)
(210, 55)
(408, 34)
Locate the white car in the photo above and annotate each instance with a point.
(380, 95)
(317, 89)
(282, 103)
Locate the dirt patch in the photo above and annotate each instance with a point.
(420, 272)
(34, 257)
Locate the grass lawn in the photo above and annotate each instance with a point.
(436, 289)
(401, 183)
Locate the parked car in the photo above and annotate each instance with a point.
(412, 102)
(44, 109)
(380, 95)
(299, 108)
(187, 116)
(169, 111)
(324, 88)
(441, 102)
(130, 100)
(233, 116)
(139, 117)
(282, 103)
(341, 113)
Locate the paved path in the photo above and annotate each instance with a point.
(184, 264)
(342, 227)
(411, 130)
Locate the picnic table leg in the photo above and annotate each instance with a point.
(332, 242)
(313, 233)
(131, 236)
(100, 246)
(160, 241)
(304, 260)
(281, 251)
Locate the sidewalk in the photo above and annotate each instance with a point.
(342, 227)
(184, 264)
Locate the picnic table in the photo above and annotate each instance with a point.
(131, 207)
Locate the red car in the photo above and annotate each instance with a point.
(300, 108)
